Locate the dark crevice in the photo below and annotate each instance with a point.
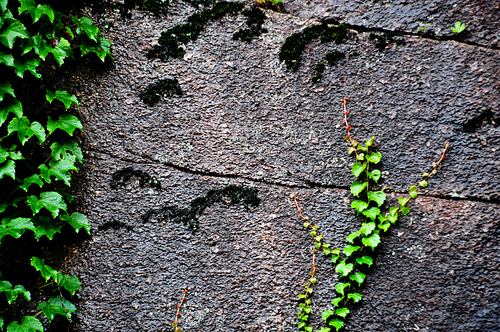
(115, 225)
(473, 124)
(121, 177)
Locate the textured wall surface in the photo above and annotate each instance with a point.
(244, 119)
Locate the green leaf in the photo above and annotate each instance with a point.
(341, 286)
(342, 312)
(360, 156)
(6, 88)
(70, 283)
(46, 226)
(356, 297)
(351, 237)
(335, 255)
(66, 122)
(372, 213)
(57, 306)
(60, 151)
(62, 51)
(357, 187)
(8, 168)
(326, 314)
(11, 30)
(15, 107)
(28, 324)
(348, 249)
(63, 96)
(423, 183)
(370, 141)
(358, 168)
(44, 10)
(27, 182)
(385, 225)
(29, 6)
(458, 28)
(3, 5)
(15, 227)
(77, 220)
(101, 48)
(337, 300)
(377, 196)
(374, 157)
(46, 271)
(50, 200)
(59, 169)
(372, 241)
(365, 260)
(336, 323)
(405, 210)
(25, 131)
(413, 191)
(358, 277)
(402, 201)
(343, 268)
(368, 228)
(38, 44)
(359, 206)
(31, 65)
(393, 214)
(7, 59)
(12, 293)
(375, 175)
(86, 25)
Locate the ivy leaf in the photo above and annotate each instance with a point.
(77, 220)
(326, 314)
(66, 122)
(101, 48)
(13, 107)
(348, 249)
(358, 168)
(342, 312)
(44, 10)
(15, 227)
(360, 156)
(59, 169)
(423, 183)
(356, 297)
(336, 323)
(368, 228)
(375, 175)
(413, 192)
(60, 151)
(3, 5)
(7, 59)
(359, 206)
(11, 30)
(25, 131)
(50, 200)
(357, 187)
(351, 237)
(358, 277)
(71, 283)
(31, 65)
(8, 168)
(372, 241)
(27, 182)
(62, 51)
(340, 287)
(377, 196)
(28, 324)
(405, 210)
(393, 214)
(384, 226)
(57, 306)
(1, 323)
(402, 201)
(370, 141)
(12, 293)
(343, 268)
(6, 88)
(46, 271)
(372, 213)
(63, 96)
(29, 6)
(38, 44)
(337, 300)
(335, 255)
(365, 260)
(86, 25)
(374, 157)
(46, 226)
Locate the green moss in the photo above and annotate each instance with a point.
(169, 44)
(124, 175)
(320, 68)
(334, 56)
(384, 39)
(255, 20)
(189, 216)
(163, 88)
(294, 45)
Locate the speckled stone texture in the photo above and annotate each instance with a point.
(244, 119)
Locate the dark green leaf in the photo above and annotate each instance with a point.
(71, 284)
(365, 260)
(62, 51)
(28, 324)
(12, 293)
(46, 226)
(38, 44)
(27, 182)
(11, 30)
(29, 6)
(356, 297)
(59, 151)
(59, 169)
(31, 65)
(25, 131)
(15, 227)
(50, 200)
(341, 286)
(46, 271)
(86, 25)
(358, 277)
(44, 10)
(66, 122)
(374, 175)
(7, 59)
(63, 96)
(359, 206)
(101, 48)
(372, 241)
(374, 157)
(358, 168)
(77, 220)
(15, 107)
(368, 228)
(348, 249)
(357, 187)
(8, 168)
(1, 323)
(6, 88)
(343, 268)
(372, 213)
(377, 196)
(57, 306)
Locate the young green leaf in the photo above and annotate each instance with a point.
(28, 181)
(358, 168)
(342, 312)
(385, 225)
(349, 250)
(28, 324)
(365, 260)
(372, 213)
(372, 241)
(337, 300)
(326, 314)
(402, 201)
(423, 183)
(374, 157)
(367, 228)
(393, 214)
(59, 169)
(15, 107)
(359, 206)
(335, 255)
(25, 130)
(341, 286)
(15, 227)
(360, 157)
(343, 268)
(413, 191)
(57, 306)
(45, 226)
(357, 187)
(66, 122)
(370, 141)
(405, 210)
(358, 277)
(11, 30)
(50, 200)
(70, 283)
(60, 151)
(78, 220)
(374, 175)
(12, 293)
(336, 323)
(46, 271)
(356, 297)
(377, 196)
(458, 28)
(351, 237)
(62, 51)
(7, 59)
(63, 96)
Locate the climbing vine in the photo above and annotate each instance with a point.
(37, 152)
(362, 243)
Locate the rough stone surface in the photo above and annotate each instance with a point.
(244, 119)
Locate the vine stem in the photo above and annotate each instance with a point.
(178, 314)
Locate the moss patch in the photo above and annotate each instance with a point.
(189, 216)
(124, 175)
(334, 56)
(169, 44)
(255, 20)
(384, 39)
(163, 88)
(320, 68)
(294, 45)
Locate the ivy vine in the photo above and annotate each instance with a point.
(37, 152)
(361, 243)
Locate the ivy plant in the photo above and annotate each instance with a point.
(37, 152)
(368, 204)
